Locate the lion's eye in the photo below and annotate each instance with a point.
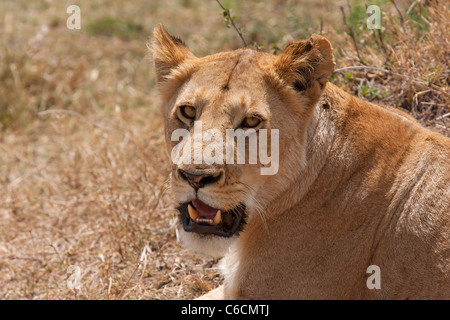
(251, 122)
(188, 112)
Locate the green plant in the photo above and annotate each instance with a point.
(114, 27)
(229, 21)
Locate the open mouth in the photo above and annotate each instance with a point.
(201, 218)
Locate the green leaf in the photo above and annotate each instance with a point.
(364, 90)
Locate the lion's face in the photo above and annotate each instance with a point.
(213, 104)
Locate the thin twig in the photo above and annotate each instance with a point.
(350, 32)
(109, 288)
(402, 20)
(122, 290)
(30, 172)
(232, 23)
(425, 20)
(57, 253)
(391, 72)
(142, 261)
(24, 258)
(410, 8)
(362, 67)
(444, 116)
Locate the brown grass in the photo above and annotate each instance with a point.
(414, 50)
(86, 183)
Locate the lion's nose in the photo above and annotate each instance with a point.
(199, 180)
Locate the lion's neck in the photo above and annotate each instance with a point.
(341, 151)
(294, 181)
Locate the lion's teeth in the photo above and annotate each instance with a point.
(218, 217)
(195, 216)
(193, 213)
(204, 220)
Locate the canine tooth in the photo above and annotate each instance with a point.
(192, 213)
(218, 217)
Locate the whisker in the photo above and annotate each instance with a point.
(258, 206)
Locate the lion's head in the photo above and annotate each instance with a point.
(260, 96)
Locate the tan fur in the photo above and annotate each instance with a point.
(358, 184)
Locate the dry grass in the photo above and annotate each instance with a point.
(415, 50)
(87, 186)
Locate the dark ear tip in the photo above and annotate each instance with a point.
(309, 45)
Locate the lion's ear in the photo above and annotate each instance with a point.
(306, 65)
(168, 52)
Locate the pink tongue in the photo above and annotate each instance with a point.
(204, 210)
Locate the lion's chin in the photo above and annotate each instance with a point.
(212, 245)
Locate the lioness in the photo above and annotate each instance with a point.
(360, 188)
